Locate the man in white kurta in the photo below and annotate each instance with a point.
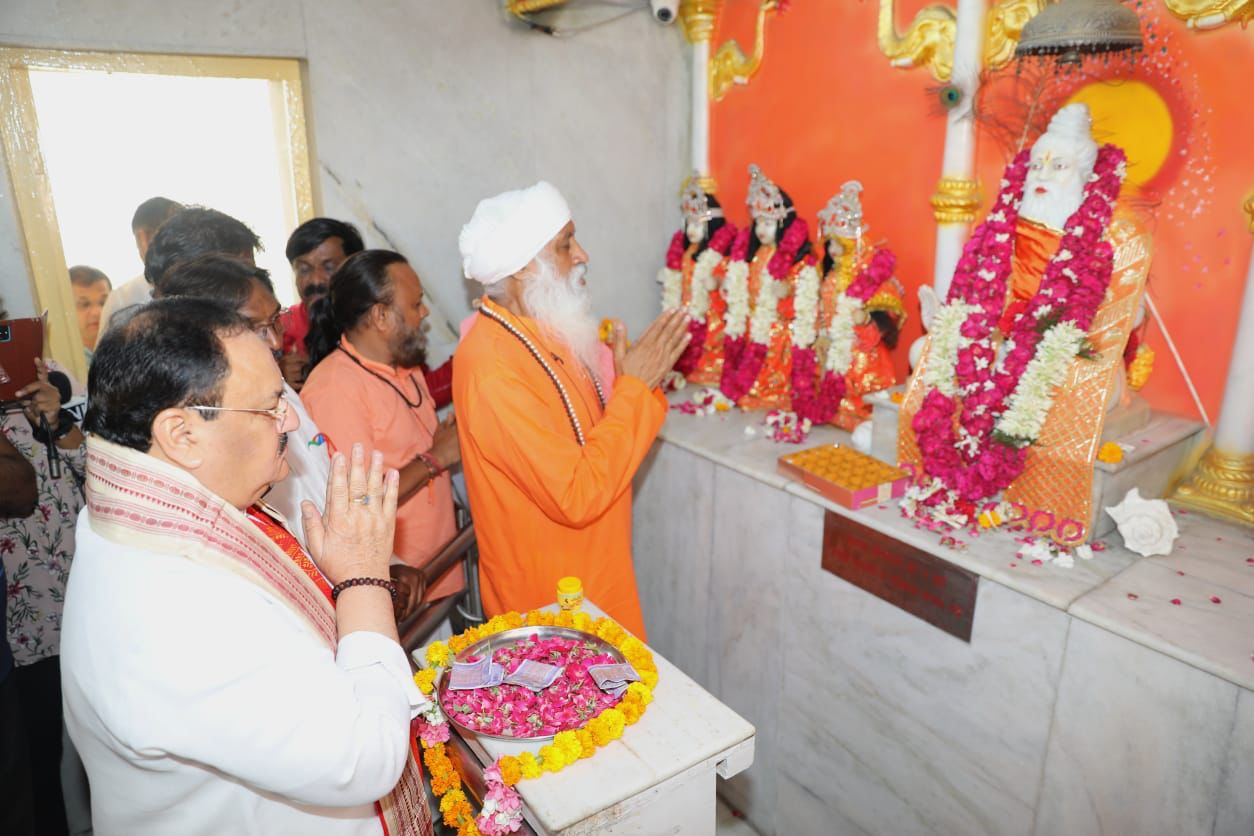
(209, 684)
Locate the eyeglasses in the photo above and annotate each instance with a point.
(278, 413)
(271, 329)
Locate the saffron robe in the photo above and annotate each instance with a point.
(545, 507)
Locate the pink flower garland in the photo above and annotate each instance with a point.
(1071, 290)
(698, 327)
(821, 402)
(740, 372)
(675, 252)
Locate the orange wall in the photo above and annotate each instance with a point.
(826, 107)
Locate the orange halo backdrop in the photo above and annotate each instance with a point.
(826, 107)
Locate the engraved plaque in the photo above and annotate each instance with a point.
(922, 584)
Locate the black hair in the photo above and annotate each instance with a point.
(780, 229)
(361, 283)
(83, 276)
(310, 235)
(153, 212)
(712, 226)
(192, 232)
(889, 328)
(215, 276)
(168, 353)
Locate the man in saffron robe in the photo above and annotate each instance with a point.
(549, 448)
(216, 678)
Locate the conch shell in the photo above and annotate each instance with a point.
(1146, 525)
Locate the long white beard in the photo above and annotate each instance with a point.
(563, 308)
(1052, 208)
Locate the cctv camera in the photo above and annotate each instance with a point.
(664, 10)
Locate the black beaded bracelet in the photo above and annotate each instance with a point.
(351, 582)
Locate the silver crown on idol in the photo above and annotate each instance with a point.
(695, 203)
(842, 216)
(765, 200)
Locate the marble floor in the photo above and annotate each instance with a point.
(729, 824)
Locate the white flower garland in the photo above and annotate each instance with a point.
(702, 283)
(672, 282)
(1030, 402)
(841, 335)
(736, 293)
(765, 310)
(806, 307)
(947, 339)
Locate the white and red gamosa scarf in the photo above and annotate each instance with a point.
(140, 501)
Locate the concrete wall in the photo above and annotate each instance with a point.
(418, 109)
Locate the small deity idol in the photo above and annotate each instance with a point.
(1026, 354)
(698, 253)
(758, 289)
(876, 320)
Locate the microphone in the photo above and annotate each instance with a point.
(50, 447)
(62, 381)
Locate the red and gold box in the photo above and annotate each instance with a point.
(845, 476)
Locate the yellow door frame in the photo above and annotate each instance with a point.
(37, 217)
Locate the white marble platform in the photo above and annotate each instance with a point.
(872, 721)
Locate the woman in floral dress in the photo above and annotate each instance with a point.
(37, 551)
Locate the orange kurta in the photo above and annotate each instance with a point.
(351, 404)
(544, 507)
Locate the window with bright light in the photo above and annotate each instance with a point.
(112, 140)
(89, 136)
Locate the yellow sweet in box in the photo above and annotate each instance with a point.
(845, 467)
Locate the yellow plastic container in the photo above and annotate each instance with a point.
(570, 594)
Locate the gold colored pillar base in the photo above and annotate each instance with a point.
(1221, 485)
(956, 201)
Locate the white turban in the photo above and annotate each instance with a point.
(507, 231)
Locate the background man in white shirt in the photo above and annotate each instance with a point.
(148, 217)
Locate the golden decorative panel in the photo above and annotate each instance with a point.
(929, 40)
(1211, 14)
(729, 65)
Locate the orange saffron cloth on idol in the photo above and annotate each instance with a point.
(544, 507)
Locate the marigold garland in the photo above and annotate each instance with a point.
(502, 811)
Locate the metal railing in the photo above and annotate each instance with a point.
(417, 627)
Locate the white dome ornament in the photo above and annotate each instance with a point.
(1146, 525)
